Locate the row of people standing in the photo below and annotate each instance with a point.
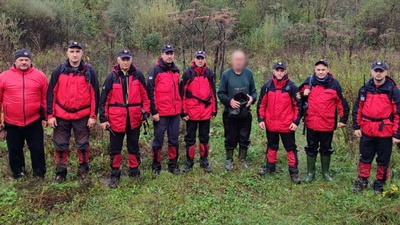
(72, 99)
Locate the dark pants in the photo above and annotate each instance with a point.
(61, 138)
(289, 143)
(169, 124)
(116, 143)
(371, 146)
(190, 139)
(237, 131)
(16, 136)
(321, 140)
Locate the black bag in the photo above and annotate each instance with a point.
(241, 112)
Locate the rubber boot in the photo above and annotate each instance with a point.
(325, 163)
(294, 174)
(310, 168)
(229, 159)
(242, 157)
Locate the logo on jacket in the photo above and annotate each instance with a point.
(25, 53)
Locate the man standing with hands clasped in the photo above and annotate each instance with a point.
(237, 92)
(279, 113)
(322, 95)
(376, 121)
(72, 100)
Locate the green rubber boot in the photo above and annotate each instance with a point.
(325, 163)
(310, 168)
(229, 159)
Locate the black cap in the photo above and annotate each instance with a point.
(167, 48)
(75, 44)
(280, 65)
(200, 54)
(22, 53)
(125, 53)
(323, 62)
(379, 65)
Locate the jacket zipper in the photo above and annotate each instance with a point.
(23, 96)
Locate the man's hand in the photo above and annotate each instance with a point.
(341, 125)
(261, 125)
(293, 127)
(2, 126)
(306, 92)
(156, 117)
(52, 122)
(104, 125)
(91, 122)
(250, 101)
(395, 141)
(358, 133)
(234, 104)
(186, 118)
(44, 123)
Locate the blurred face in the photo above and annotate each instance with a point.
(75, 55)
(125, 63)
(379, 75)
(168, 57)
(279, 73)
(238, 61)
(23, 63)
(200, 61)
(321, 71)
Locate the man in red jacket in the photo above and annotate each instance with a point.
(376, 121)
(279, 113)
(199, 106)
(322, 99)
(124, 105)
(72, 99)
(23, 100)
(166, 108)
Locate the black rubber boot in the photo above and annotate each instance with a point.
(360, 184)
(294, 174)
(188, 165)
(243, 157)
(229, 160)
(325, 164)
(310, 168)
(269, 168)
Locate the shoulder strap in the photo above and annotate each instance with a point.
(268, 86)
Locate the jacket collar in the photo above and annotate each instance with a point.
(19, 71)
(386, 86)
(166, 67)
(117, 70)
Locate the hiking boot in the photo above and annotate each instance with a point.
(294, 174)
(173, 167)
(269, 168)
(207, 169)
(310, 168)
(156, 173)
(378, 186)
(83, 173)
(229, 165)
(134, 173)
(360, 184)
(325, 164)
(188, 166)
(114, 181)
(205, 164)
(58, 180)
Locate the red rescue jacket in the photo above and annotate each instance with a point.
(198, 93)
(376, 110)
(163, 90)
(73, 93)
(324, 102)
(123, 96)
(278, 105)
(23, 96)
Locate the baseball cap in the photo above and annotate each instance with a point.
(167, 48)
(379, 65)
(280, 65)
(200, 54)
(75, 44)
(125, 53)
(323, 62)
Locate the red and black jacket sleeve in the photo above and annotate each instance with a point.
(94, 92)
(52, 91)
(214, 95)
(151, 85)
(182, 89)
(342, 105)
(105, 97)
(357, 109)
(262, 104)
(396, 112)
(297, 103)
(143, 92)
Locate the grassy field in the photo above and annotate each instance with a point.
(237, 197)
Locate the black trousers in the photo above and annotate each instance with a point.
(170, 124)
(321, 140)
(288, 140)
(16, 136)
(116, 143)
(237, 131)
(191, 130)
